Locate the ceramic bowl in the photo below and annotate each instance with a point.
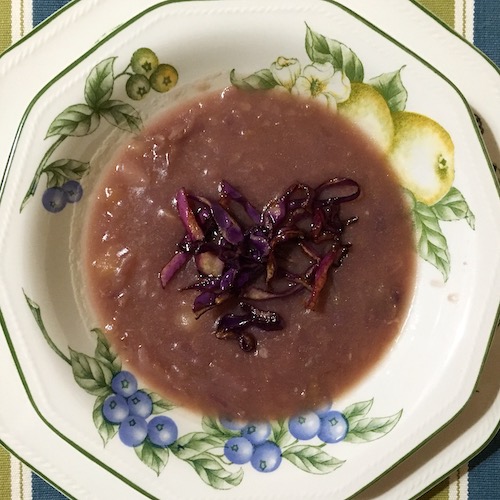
(70, 129)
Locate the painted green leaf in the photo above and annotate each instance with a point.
(91, 374)
(454, 207)
(121, 115)
(260, 80)
(60, 171)
(104, 353)
(36, 178)
(431, 243)
(312, 459)
(37, 315)
(392, 89)
(160, 405)
(224, 460)
(192, 444)
(321, 49)
(213, 473)
(280, 434)
(106, 429)
(213, 427)
(357, 410)
(155, 457)
(99, 83)
(370, 429)
(77, 120)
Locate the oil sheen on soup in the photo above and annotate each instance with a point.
(261, 142)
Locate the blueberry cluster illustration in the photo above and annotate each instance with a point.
(130, 407)
(255, 446)
(217, 447)
(55, 198)
(144, 72)
(330, 426)
(149, 73)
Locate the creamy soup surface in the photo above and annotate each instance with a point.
(261, 142)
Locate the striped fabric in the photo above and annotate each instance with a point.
(478, 21)
(15, 478)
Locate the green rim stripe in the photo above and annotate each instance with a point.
(4, 447)
(5, 489)
(36, 29)
(5, 27)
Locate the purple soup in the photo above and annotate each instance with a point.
(261, 142)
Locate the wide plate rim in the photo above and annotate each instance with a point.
(168, 2)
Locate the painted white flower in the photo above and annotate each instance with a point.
(286, 71)
(321, 81)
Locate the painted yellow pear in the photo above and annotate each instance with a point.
(422, 155)
(369, 110)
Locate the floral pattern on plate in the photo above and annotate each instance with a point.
(334, 76)
(144, 73)
(220, 445)
(419, 149)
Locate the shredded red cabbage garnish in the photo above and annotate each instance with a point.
(243, 254)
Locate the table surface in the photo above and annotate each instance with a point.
(476, 20)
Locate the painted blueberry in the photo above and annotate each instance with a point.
(256, 433)
(334, 427)
(54, 199)
(162, 431)
(233, 424)
(140, 404)
(266, 457)
(124, 384)
(238, 450)
(115, 409)
(304, 426)
(133, 430)
(73, 190)
(322, 410)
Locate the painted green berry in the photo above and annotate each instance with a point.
(164, 78)
(144, 61)
(137, 87)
